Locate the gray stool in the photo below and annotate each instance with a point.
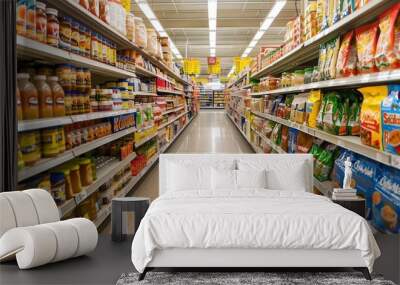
(119, 213)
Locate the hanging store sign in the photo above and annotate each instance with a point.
(241, 63)
(212, 60)
(191, 66)
(214, 68)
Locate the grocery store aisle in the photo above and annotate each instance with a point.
(210, 132)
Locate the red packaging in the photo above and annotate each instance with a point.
(347, 58)
(366, 40)
(387, 51)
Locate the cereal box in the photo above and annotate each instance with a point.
(390, 110)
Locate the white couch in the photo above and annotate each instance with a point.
(31, 231)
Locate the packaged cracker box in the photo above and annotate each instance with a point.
(364, 173)
(386, 201)
(390, 110)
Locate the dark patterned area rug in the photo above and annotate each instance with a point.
(269, 278)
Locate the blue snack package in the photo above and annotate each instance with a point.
(386, 200)
(390, 120)
(292, 141)
(364, 174)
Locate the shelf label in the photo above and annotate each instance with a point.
(80, 197)
(395, 161)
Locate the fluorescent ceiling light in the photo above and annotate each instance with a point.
(276, 9)
(266, 24)
(269, 19)
(212, 9)
(212, 25)
(148, 12)
(156, 24)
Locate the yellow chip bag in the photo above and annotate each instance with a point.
(370, 116)
(312, 108)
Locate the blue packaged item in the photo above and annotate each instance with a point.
(386, 200)
(338, 168)
(390, 109)
(292, 141)
(364, 174)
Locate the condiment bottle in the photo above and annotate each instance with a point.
(19, 107)
(45, 96)
(21, 17)
(41, 22)
(31, 19)
(29, 97)
(65, 33)
(53, 27)
(94, 46)
(58, 96)
(75, 38)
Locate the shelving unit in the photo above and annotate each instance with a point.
(171, 121)
(309, 49)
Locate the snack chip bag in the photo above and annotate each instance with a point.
(322, 61)
(387, 49)
(324, 163)
(386, 200)
(276, 134)
(391, 120)
(366, 38)
(335, 115)
(332, 50)
(312, 108)
(346, 64)
(285, 138)
(320, 118)
(370, 116)
(353, 114)
(304, 142)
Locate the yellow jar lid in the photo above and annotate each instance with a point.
(85, 161)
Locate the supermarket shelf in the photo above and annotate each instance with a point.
(148, 94)
(145, 140)
(106, 210)
(309, 50)
(104, 174)
(73, 9)
(144, 72)
(172, 110)
(29, 125)
(66, 207)
(247, 86)
(353, 81)
(170, 91)
(352, 143)
(31, 48)
(278, 149)
(240, 78)
(48, 163)
(255, 149)
(164, 148)
(171, 121)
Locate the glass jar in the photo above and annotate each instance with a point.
(29, 145)
(31, 19)
(94, 46)
(50, 142)
(80, 80)
(65, 32)
(88, 79)
(61, 140)
(85, 168)
(82, 40)
(87, 42)
(29, 97)
(298, 77)
(75, 37)
(19, 106)
(41, 22)
(57, 180)
(67, 177)
(76, 184)
(68, 102)
(58, 96)
(63, 72)
(53, 27)
(104, 49)
(45, 96)
(100, 48)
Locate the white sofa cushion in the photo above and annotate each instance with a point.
(186, 177)
(251, 179)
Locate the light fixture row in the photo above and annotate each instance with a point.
(148, 12)
(269, 19)
(212, 25)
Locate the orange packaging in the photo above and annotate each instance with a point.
(347, 58)
(366, 40)
(19, 107)
(45, 96)
(31, 19)
(387, 50)
(29, 97)
(21, 17)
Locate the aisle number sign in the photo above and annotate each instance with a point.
(214, 65)
(191, 66)
(241, 63)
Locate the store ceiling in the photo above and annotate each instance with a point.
(186, 22)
